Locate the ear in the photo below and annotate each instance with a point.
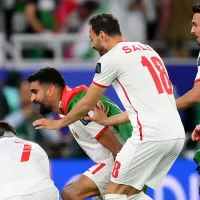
(102, 35)
(51, 90)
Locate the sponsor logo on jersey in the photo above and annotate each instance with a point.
(75, 134)
(98, 68)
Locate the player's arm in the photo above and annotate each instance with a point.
(86, 104)
(100, 116)
(190, 98)
(105, 74)
(117, 119)
(109, 141)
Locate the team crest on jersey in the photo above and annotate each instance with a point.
(98, 68)
(74, 134)
(85, 122)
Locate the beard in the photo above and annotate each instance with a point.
(101, 50)
(43, 109)
(101, 53)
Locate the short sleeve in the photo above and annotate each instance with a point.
(197, 79)
(105, 73)
(93, 128)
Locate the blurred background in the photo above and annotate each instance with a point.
(54, 33)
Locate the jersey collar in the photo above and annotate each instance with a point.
(67, 95)
(123, 41)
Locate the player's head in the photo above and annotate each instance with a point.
(6, 130)
(196, 22)
(46, 86)
(103, 27)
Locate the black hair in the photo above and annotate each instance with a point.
(105, 22)
(6, 127)
(48, 75)
(196, 8)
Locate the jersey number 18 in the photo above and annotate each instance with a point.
(161, 79)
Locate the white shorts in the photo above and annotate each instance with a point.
(50, 194)
(142, 163)
(100, 174)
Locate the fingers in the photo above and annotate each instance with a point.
(88, 118)
(39, 127)
(39, 124)
(196, 133)
(195, 136)
(95, 109)
(197, 128)
(100, 105)
(107, 110)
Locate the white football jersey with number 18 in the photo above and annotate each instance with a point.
(141, 81)
(24, 168)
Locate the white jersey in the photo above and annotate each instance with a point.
(24, 168)
(86, 134)
(141, 81)
(197, 79)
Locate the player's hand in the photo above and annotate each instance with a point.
(47, 124)
(100, 116)
(196, 133)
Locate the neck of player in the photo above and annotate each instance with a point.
(115, 40)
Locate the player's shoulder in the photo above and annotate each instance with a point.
(24, 141)
(33, 145)
(110, 58)
(106, 57)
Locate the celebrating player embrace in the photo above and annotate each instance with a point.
(141, 81)
(101, 143)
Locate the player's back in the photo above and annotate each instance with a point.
(145, 90)
(24, 168)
